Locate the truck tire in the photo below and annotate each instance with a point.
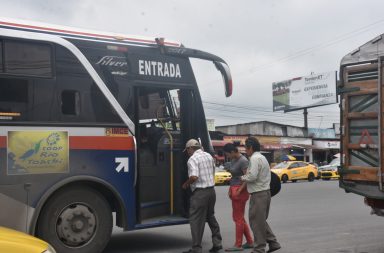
(76, 220)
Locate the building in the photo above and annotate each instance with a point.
(278, 140)
(326, 144)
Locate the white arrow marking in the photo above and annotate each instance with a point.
(123, 164)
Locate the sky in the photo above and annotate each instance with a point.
(263, 41)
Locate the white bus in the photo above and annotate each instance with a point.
(93, 124)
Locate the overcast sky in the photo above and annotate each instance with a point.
(263, 41)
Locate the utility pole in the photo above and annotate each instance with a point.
(305, 118)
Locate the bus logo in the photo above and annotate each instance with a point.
(113, 61)
(34, 152)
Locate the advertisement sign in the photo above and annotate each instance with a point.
(326, 144)
(302, 92)
(36, 152)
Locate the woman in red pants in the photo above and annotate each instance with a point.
(239, 196)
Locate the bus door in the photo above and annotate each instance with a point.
(161, 163)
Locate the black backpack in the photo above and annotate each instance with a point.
(275, 184)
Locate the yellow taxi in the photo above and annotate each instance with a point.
(295, 170)
(12, 241)
(222, 177)
(329, 171)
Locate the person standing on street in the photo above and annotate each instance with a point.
(239, 196)
(258, 179)
(201, 173)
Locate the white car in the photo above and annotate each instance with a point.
(329, 171)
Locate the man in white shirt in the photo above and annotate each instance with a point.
(258, 178)
(201, 173)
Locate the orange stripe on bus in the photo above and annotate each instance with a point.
(88, 34)
(93, 142)
(3, 141)
(101, 142)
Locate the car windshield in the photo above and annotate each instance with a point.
(335, 161)
(281, 165)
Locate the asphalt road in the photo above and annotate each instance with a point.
(315, 217)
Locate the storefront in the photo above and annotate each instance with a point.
(275, 147)
(325, 150)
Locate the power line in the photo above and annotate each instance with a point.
(322, 45)
(237, 115)
(296, 117)
(254, 109)
(248, 119)
(309, 50)
(252, 113)
(243, 106)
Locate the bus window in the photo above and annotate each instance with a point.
(70, 102)
(175, 100)
(1, 56)
(13, 90)
(160, 106)
(13, 99)
(30, 59)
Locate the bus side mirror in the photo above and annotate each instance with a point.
(226, 73)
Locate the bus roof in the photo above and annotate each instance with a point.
(82, 34)
(369, 51)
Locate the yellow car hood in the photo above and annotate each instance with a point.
(12, 241)
(222, 173)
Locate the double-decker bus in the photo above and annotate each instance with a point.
(93, 124)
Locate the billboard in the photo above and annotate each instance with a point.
(302, 92)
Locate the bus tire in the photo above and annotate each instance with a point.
(76, 220)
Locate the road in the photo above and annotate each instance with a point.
(307, 217)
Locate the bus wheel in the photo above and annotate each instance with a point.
(76, 220)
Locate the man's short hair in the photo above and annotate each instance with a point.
(230, 147)
(252, 142)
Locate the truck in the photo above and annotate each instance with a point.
(361, 106)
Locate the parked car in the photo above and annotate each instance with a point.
(222, 176)
(330, 171)
(12, 241)
(295, 170)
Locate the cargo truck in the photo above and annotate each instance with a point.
(361, 103)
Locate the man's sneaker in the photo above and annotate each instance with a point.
(274, 248)
(215, 249)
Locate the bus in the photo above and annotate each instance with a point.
(92, 128)
(361, 103)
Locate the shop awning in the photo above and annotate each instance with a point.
(304, 146)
